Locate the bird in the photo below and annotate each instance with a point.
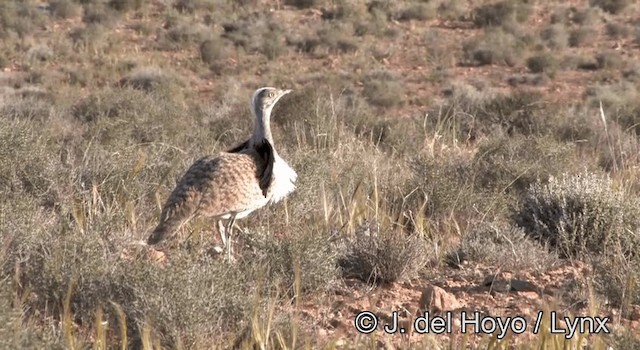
(232, 184)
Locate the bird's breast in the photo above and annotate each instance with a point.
(284, 180)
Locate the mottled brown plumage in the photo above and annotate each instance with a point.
(204, 189)
(232, 184)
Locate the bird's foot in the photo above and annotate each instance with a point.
(157, 256)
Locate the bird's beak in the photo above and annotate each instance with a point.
(284, 92)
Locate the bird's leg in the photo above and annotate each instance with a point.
(223, 235)
(229, 231)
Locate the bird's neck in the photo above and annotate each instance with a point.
(262, 126)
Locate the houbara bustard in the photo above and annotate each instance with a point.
(234, 183)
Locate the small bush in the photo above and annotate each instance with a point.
(543, 63)
(97, 13)
(418, 12)
(64, 8)
(191, 6)
(302, 4)
(580, 36)
(506, 247)
(125, 5)
(494, 47)
(150, 79)
(383, 257)
(609, 60)
(611, 6)
(383, 89)
(501, 13)
(618, 278)
(511, 164)
(314, 254)
(617, 30)
(587, 16)
(555, 36)
(183, 34)
(581, 214)
(211, 51)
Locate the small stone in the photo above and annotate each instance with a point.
(522, 286)
(436, 299)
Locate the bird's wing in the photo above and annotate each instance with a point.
(239, 147)
(265, 151)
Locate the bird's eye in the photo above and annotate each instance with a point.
(271, 94)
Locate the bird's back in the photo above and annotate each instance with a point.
(215, 186)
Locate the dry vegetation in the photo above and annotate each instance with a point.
(436, 142)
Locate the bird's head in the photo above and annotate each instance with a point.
(265, 98)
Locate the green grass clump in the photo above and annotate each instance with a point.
(580, 215)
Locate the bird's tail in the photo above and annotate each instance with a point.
(168, 226)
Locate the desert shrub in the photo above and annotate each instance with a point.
(511, 164)
(125, 116)
(302, 3)
(506, 247)
(617, 30)
(183, 34)
(272, 45)
(555, 36)
(91, 36)
(496, 46)
(611, 6)
(452, 10)
(341, 10)
(579, 36)
(470, 115)
(619, 98)
(418, 12)
(20, 18)
(151, 79)
(337, 39)
(26, 107)
(99, 13)
(125, 5)
(581, 214)
(586, 16)
(383, 89)
(528, 79)
(501, 13)
(311, 254)
(542, 63)
(383, 257)
(609, 60)
(64, 8)
(16, 332)
(191, 6)
(211, 51)
(617, 277)
(622, 149)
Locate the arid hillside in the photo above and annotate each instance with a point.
(459, 158)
